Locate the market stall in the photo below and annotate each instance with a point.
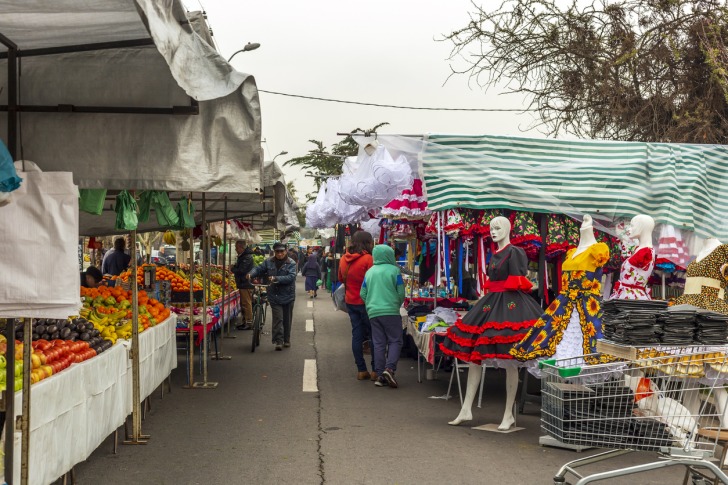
(141, 101)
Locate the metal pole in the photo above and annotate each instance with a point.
(191, 343)
(221, 355)
(25, 417)
(203, 261)
(137, 438)
(225, 259)
(9, 399)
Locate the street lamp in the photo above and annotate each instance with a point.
(282, 153)
(248, 47)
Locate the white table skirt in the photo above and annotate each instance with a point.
(74, 411)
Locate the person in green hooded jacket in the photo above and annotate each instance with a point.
(383, 294)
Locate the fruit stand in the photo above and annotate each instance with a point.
(90, 400)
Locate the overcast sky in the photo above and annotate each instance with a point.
(381, 51)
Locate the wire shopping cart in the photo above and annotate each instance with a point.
(668, 400)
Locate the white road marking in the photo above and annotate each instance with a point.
(310, 304)
(309, 376)
(309, 325)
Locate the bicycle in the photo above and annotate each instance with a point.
(260, 304)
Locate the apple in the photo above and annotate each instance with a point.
(18, 368)
(35, 360)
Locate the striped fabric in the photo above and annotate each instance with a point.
(678, 184)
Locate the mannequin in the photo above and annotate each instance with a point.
(499, 319)
(710, 245)
(578, 303)
(637, 268)
(587, 238)
(641, 228)
(705, 278)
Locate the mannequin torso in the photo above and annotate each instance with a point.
(711, 244)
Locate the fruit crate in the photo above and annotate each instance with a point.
(184, 296)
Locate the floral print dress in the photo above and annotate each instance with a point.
(634, 276)
(571, 325)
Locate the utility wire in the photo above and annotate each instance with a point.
(391, 105)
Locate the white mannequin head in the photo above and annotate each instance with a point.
(500, 231)
(641, 228)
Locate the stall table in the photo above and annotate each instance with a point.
(74, 411)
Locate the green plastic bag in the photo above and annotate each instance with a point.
(159, 201)
(126, 212)
(92, 200)
(185, 214)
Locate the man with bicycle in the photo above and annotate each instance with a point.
(280, 272)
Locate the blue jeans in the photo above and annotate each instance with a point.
(361, 329)
(386, 342)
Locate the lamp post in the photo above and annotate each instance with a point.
(250, 46)
(282, 153)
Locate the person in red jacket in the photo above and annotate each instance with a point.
(354, 264)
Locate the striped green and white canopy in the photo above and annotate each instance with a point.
(679, 184)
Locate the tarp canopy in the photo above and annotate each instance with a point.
(88, 69)
(679, 184)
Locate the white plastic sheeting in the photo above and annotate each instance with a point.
(379, 178)
(39, 267)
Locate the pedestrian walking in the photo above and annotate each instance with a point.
(354, 265)
(240, 269)
(280, 271)
(312, 271)
(383, 294)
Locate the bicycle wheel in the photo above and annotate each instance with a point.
(256, 327)
(258, 330)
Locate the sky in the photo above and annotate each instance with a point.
(378, 51)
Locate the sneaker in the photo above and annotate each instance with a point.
(374, 376)
(381, 382)
(287, 344)
(279, 347)
(245, 326)
(362, 376)
(388, 374)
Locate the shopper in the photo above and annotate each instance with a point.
(280, 270)
(116, 260)
(312, 271)
(383, 294)
(301, 259)
(354, 265)
(92, 277)
(240, 269)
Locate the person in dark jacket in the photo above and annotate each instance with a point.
(240, 269)
(312, 271)
(280, 270)
(302, 259)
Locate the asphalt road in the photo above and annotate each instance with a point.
(259, 426)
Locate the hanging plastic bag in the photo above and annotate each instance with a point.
(39, 244)
(185, 214)
(92, 201)
(9, 180)
(126, 212)
(378, 180)
(159, 201)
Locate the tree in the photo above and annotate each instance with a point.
(321, 163)
(643, 70)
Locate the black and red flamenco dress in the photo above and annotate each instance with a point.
(500, 319)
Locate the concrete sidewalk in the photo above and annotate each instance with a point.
(259, 426)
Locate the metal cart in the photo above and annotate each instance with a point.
(668, 400)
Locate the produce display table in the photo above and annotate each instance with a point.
(74, 411)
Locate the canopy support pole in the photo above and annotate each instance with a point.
(226, 259)
(221, 355)
(191, 325)
(137, 438)
(205, 279)
(25, 417)
(9, 398)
